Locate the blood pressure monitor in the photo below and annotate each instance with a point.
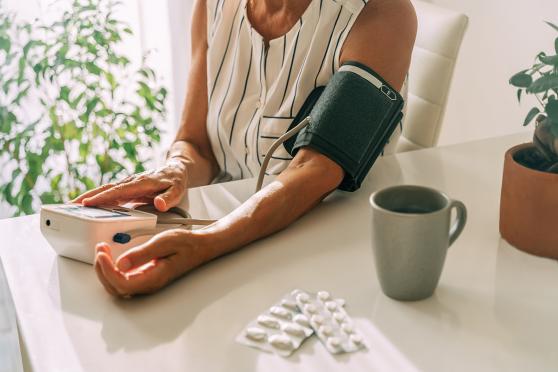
(73, 230)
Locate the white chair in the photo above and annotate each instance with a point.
(439, 36)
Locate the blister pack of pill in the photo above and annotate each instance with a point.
(281, 329)
(330, 321)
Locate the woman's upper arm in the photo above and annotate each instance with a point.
(194, 115)
(382, 38)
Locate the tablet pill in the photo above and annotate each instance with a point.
(282, 342)
(326, 330)
(340, 301)
(302, 297)
(301, 319)
(310, 309)
(289, 305)
(255, 334)
(268, 322)
(294, 292)
(347, 328)
(317, 319)
(294, 330)
(280, 312)
(339, 317)
(323, 295)
(356, 339)
(333, 342)
(331, 305)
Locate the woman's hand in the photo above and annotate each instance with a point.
(152, 265)
(163, 187)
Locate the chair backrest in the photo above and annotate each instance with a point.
(439, 37)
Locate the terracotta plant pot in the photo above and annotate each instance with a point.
(529, 206)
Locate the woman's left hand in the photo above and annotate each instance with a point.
(152, 265)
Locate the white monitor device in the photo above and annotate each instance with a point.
(73, 230)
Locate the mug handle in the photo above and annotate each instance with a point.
(459, 224)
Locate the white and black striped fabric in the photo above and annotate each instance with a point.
(254, 92)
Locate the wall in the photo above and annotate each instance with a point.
(179, 20)
(503, 38)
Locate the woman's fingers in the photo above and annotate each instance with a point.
(145, 280)
(169, 198)
(152, 250)
(123, 192)
(103, 248)
(102, 188)
(93, 192)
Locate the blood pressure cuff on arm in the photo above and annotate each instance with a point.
(351, 120)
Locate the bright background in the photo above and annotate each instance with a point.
(503, 37)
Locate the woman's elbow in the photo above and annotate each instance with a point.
(317, 170)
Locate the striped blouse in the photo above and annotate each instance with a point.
(254, 92)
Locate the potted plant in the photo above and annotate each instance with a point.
(529, 199)
(75, 111)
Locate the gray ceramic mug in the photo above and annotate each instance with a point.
(410, 236)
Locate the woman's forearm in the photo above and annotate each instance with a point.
(309, 178)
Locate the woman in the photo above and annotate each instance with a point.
(254, 62)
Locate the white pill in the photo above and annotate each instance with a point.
(268, 322)
(340, 301)
(301, 319)
(339, 317)
(356, 339)
(280, 312)
(302, 297)
(317, 319)
(333, 342)
(294, 330)
(255, 333)
(282, 342)
(289, 305)
(310, 309)
(324, 295)
(347, 328)
(294, 292)
(326, 330)
(331, 305)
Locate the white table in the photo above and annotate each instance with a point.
(10, 355)
(496, 309)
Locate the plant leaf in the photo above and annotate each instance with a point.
(5, 44)
(549, 60)
(531, 115)
(48, 197)
(519, 92)
(65, 93)
(55, 181)
(551, 109)
(543, 84)
(69, 130)
(552, 25)
(521, 80)
(93, 68)
(26, 204)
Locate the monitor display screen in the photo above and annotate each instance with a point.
(92, 212)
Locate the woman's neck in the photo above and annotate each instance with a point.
(273, 18)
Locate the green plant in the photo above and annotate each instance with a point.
(541, 81)
(96, 113)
